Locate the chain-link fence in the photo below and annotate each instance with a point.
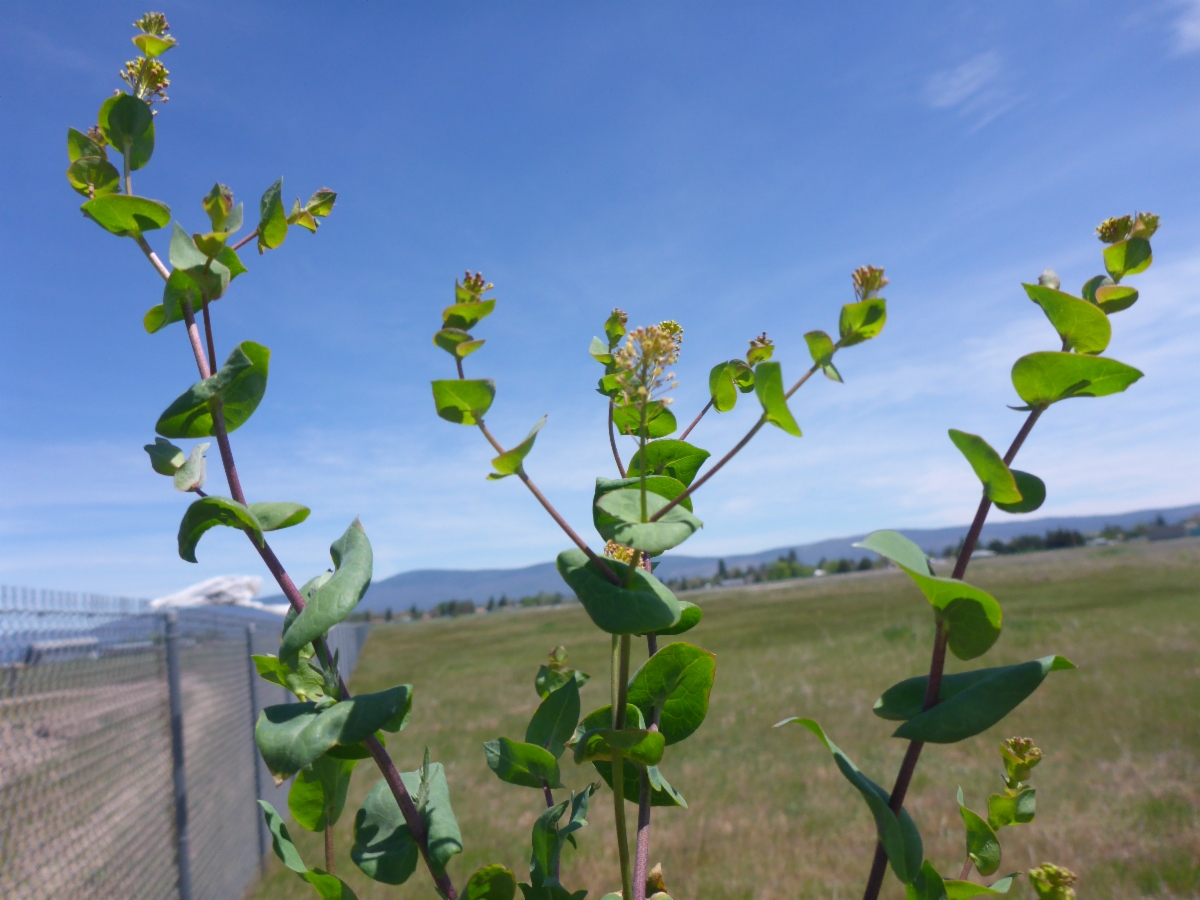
(127, 759)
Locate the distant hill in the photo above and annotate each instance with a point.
(428, 587)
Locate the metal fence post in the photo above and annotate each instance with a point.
(175, 700)
(252, 673)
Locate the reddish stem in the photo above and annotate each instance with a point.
(696, 421)
(244, 241)
(612, 439)
(937, 663)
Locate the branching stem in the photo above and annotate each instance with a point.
(937, 662)
(695, 485)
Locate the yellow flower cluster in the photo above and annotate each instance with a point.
(868, 282)
(642, 362)
(619, 552)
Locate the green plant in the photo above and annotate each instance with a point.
(942, 709)
(641, 514)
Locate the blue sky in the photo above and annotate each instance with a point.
(726, 165)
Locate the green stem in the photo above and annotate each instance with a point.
(642, 457)
(128, 177)
(620, 683)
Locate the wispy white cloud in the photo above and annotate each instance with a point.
(974, 88)
(1187, 27)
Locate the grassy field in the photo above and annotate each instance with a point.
(770, 816)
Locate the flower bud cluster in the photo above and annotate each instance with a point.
(1053, 882)
(1120, 228)
(1020, 756)
(868, 282)
(619, 552)
(641, 364)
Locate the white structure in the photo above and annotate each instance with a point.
(224, 590)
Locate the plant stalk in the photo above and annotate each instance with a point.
(612, 439)
(329, 841)
(937, 662)
(244, 241)
(641, 864)
(408, 808)
(695, 485)
(696, 421)
(620, 687)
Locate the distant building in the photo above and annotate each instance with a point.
(1166, 532)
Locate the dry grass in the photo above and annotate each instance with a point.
(770, 815)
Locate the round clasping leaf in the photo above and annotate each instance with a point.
(1049, 376)
(1083, 325)
(622, 521)
(645, 606)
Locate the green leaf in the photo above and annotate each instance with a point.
(281, 841)
(600, 352)
(383, 847)
(1082, 325)
(154, 45)
(291, 736)
(965, 890)
(555, 719)
(721, 386)
(334, 599)
(998, 481)
(637, 744)
(465, 316)
(456, 342)
(127, 216)
(527, 765)
(165, 457)
(492, 882)
(464, 401)
(969, 702)
(1004, 810)
(768, 385)
(660, 421)
(820, 347)
(983, 847)
(614, 328)
(128, 126)
(272, 222)
(927, 885)
(661, 791)
(1047, 377)
(209, 512)
(306, 682)
(862, 321)
(689, 617)
(320, 204)
(192, 473)
(329, 887)
(660, 485)
(180, 287)
(239, 385)
(1128, 257)
(80, 145)
(94, 176)
(624, 523)
(509, 462)
(548, 680)
(973, 617)
(320, 788)
(677, 680)
(1033, 493)
(897, 833)
(210, 276)
(273, 516)
(647, 605)
(1112, 298)
(676, 459)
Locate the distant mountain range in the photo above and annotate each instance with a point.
(428, 587)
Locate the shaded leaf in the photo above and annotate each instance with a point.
(721, 386)
(335, 598)
(660, 421)
(291, 736)
(383, 847)
(464, 401)
(1082, 325)
(689, 617)
(647, 605)
(677, 680)
(80, 145)
(1033, 493)
(969, 702)
(983, 847)
(965, 890)
(165, 457)
(637, 744)
(676, 459)
(1004, 809)
(525, 764)
(209, 512)
(272, 220)
(897, 833)
(305, 681)
(493, 882)
(465, 316)
(239, 385)
(319, 788)
(768, 385)
(927, 885)
(456, 342)
(555, 719)
(128, 126)
(1128, 257)
(1113, 298)
(862, 321)
(624, 523)
(192, 474)
(94, 176)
